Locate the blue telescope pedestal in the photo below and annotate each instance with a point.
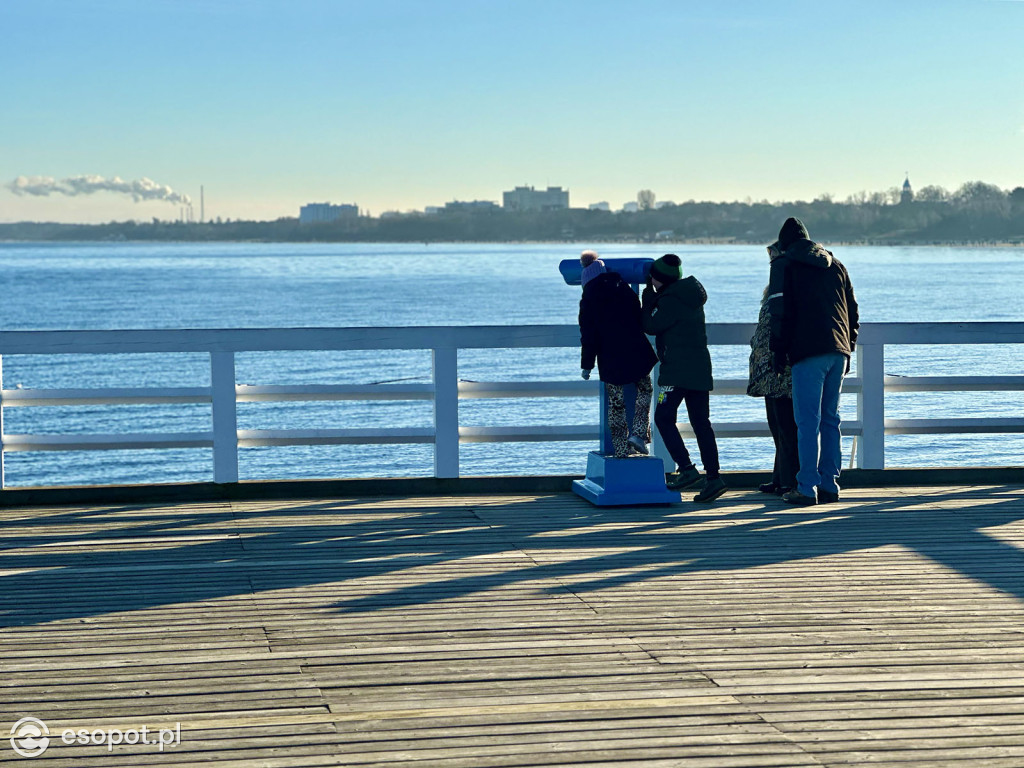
(610, 481)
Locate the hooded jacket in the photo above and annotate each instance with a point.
(811, 303)
(611, 332)
(675, 317)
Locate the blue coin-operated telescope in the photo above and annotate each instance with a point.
(637, 479)
(633, 271)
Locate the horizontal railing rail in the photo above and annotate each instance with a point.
(446, 389)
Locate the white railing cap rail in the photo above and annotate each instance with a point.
(285, 339)
(942, 333)
(435, 337)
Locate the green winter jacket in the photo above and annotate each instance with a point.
(675, 317)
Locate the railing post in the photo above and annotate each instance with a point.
(446, 411)
(871, 406)
(225, 417)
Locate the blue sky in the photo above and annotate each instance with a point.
(401, 104)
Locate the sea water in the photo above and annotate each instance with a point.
(271, 285)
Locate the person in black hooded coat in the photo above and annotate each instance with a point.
(612, 336)
(814, 325)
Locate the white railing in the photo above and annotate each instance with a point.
(445, 389)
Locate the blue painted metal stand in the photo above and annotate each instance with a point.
(617, 482)
(632, 481)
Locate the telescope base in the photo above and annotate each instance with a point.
(624, 482)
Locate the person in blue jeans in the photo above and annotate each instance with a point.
(814, 324)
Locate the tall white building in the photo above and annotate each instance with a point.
(530, 199)
(318, 212)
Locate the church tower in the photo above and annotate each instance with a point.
(907, 194)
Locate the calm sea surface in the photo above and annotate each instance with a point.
(245, 285)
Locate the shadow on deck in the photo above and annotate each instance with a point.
(523, 630)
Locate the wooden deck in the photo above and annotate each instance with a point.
(446, 632)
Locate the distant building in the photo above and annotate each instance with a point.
(907, 194)
(602, 206)
(320, 212)
(473, 206)
(630, 207)
(530, 199)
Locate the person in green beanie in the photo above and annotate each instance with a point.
(673, 312)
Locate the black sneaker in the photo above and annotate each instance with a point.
(684, 478)
(771, 488)
(797, 498)
(712, 490)
(827, 497)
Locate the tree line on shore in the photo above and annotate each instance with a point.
(975, 213)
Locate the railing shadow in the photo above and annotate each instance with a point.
(68, 564)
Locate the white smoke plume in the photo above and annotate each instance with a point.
(140, 189)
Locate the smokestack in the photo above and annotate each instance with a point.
(202, 205)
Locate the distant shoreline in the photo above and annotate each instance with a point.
(978, 215)
(581, 242)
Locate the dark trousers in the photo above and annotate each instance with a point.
(783, 426)
(699, 413)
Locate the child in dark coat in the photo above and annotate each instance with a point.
(612, 335)
(673, 312)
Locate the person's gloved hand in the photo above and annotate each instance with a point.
(778, 363)
(585, 373)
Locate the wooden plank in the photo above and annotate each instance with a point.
(499, 631)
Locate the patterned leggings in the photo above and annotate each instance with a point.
(617, 415)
